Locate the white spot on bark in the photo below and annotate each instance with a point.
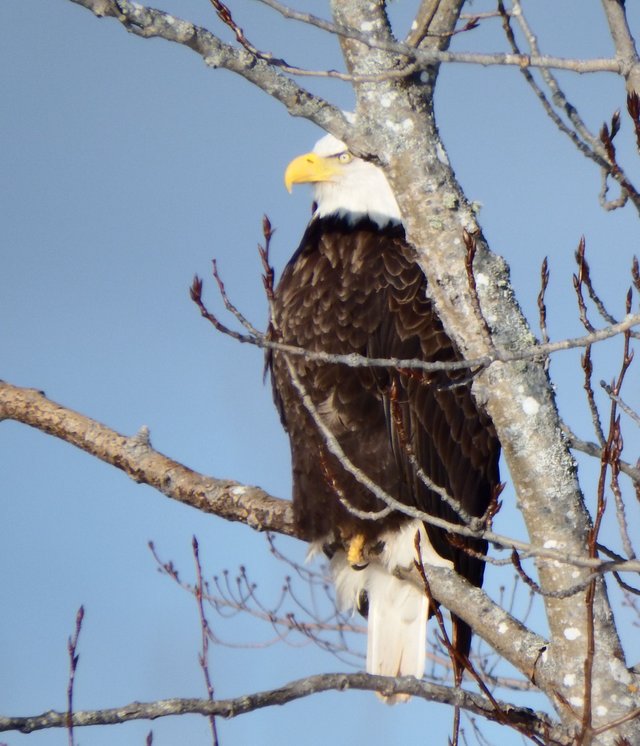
(442, 156)
(569, 679)
(576, 701)
(503, 627)
(601, 711)
(238, 491)
(406, 125)
(414, 25)
(550, 544)
(482, 279)
(530, 405)
(366, 26)
(572, 633)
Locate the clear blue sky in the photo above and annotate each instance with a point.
(125, 166)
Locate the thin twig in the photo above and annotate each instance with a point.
(580, 135)
(427, 57)
(542, 307)
(203, 656)
(72, 648)
(592, 449)
(471, 247)
(460, 663)
(531, 583)
(229, 599)
(229, 305)
(354, 360)
(587, 368)
(621, 403)
(226, 17)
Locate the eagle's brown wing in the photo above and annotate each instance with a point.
(358, 289)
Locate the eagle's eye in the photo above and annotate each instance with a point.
(345, 157)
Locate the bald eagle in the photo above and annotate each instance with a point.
(353, 286)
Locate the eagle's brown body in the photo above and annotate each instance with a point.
(354, 286)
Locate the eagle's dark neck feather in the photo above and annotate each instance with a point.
(346, 224)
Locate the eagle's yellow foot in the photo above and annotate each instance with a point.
(355, 552)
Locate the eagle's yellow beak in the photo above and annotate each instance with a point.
(309, 168)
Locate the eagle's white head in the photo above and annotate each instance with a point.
(344, 184)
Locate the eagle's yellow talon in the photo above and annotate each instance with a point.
(355, 552)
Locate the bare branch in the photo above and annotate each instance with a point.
(225, 498)
(621, 403)
(135, 456)
(354, 360)
(225, 15)
(581, 137)
(150, 23)
(626, 51)
(525, 719)
(591, 146)
(592, 449)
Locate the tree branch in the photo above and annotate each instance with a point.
(522, 718)
(135, 456)
(225, 498)
(150, 23)
(626, 52)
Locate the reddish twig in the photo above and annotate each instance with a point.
(494, 506)
(459, 662)
(542, 307)
(196, 296)
(610, 455)
(326, 627)
(607, 135)
(471, 246)
(587, 367)
(229, 305)
(633, 108)
(585, 279)
(72, 647)
(635, 273)
(531, 583)
(268, 278)
(578, 281)
(203, 656)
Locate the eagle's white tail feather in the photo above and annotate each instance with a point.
(397, 626)
(398, 610)
(397, 632)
